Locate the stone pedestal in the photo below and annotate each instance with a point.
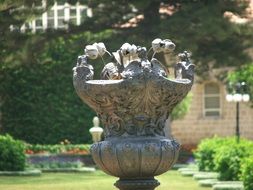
(137, 184)
(135, 160)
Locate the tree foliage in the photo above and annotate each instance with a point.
(182, 108)
(199, 26)
(243, 74)
(38, 102)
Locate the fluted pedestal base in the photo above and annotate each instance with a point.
(137, 184)
(135, 160)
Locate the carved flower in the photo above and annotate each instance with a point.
(91, 51)
(101, 48)
(156, 45)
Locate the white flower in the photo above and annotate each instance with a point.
(91, 51)
(132, 49)
(157, 45)
(100, 47)
(125, 49)
(169, 46)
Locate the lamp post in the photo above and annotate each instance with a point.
(96, 131)
(238, 95)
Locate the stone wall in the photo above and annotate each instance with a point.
(195, 126)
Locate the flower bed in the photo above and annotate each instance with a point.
(59, 160)
(58, 149)
(64, 155)
(186, 153)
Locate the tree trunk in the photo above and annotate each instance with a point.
(151, 22)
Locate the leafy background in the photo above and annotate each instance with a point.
(37, 99)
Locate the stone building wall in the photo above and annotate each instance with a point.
(195, 126)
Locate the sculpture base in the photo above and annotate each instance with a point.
(135, 157)
(137, 184)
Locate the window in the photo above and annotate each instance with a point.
(61, 17)
(83, 14)
(38, 3)
(50, 18)
(212, 100)
(26, 27)
(72, 16)
(58, 16)
(38, 24)
(61, 2)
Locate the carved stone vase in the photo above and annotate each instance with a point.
(133, 101)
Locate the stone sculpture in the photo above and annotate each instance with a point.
(133, 101)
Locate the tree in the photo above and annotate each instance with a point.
(199, 26)
(243, 74)
(35, 71)
(38, 102)
(15, 45)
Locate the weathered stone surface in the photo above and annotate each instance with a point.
(130, 157)
(207, 182)
(133, 105)
(228, 185)
(206, 175)
(140, 184)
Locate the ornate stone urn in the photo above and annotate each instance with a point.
(133, 99)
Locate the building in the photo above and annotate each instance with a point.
(57, 17)
(210, 114)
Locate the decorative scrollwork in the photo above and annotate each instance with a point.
(135, 96)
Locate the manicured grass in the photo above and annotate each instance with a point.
(171, 180)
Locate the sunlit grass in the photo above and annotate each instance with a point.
(90, 181)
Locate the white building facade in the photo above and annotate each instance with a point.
(57, 17)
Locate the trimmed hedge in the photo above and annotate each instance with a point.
(247, 173)
(12, 156)
(206, 150)
(225, 156)
(228, 159)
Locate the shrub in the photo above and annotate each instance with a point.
(228, 159)
(12, 156)
(205, 152)
(247, 173)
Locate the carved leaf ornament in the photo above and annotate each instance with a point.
(134, 96)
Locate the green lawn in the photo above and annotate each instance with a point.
(90, 181)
